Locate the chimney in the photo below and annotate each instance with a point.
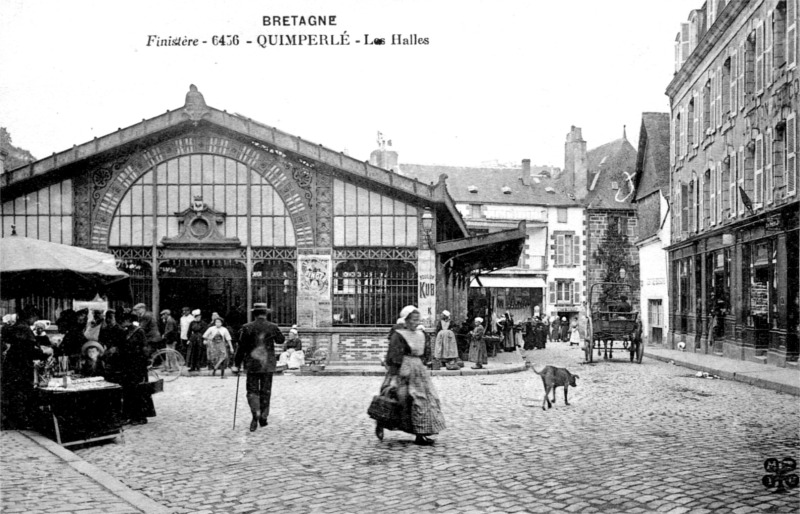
(384, 157)
(526, 172)
(576, 162)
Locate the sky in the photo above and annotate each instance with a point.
(498, 81)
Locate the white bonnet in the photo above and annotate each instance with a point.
(196, 312)
(407, 310)
(479, 320)
(446, 313)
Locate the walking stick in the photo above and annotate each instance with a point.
(236, 400)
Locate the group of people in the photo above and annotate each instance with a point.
(94, 344)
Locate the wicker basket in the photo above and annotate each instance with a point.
(384, 409)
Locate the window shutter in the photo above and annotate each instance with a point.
(768, 167)
(684, 208)
(760, 57)
(576, 293)
(703, 203)
(759, 172)
(695, 118)
(732, 170)
(576, 250)
(791, 155)
(684, 42)
(791, 33)
(684, 124)
(560, 249)
(678, 211)
(734, 81)
(742, 66)
(740, 172)
(551, 287)
(718, 115)
(713, 102)
(713, 196)
(768, 49)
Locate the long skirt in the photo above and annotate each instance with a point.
(508, 340)
(477, 352)
(217, 352)
(197, 355)
(421, 411)
(445, 347)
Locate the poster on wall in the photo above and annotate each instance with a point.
(314, 290)
(427, 287)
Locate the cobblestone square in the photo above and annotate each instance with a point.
(635, 438)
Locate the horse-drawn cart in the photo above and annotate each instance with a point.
(613, 325)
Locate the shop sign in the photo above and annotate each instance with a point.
(773, 224)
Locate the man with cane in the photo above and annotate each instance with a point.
(257, 341)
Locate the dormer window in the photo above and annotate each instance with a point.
(506, 190)
(473, 189)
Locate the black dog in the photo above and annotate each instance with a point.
(553, 377)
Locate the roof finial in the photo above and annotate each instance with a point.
(195, 107)
(624, 135)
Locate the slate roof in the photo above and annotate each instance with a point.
(489, 183)
(609, 163)
(652, 161)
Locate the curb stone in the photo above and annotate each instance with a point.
(136, 499)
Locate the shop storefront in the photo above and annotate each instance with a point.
(735, 291)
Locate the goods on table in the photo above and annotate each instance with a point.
(77, 384)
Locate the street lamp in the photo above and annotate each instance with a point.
(427, 224)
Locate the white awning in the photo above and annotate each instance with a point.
(497, 281)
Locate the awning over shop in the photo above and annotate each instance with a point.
(486, 252)
(493, 281)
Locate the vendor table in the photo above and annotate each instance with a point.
(80, 415)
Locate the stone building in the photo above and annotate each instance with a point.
(733, 183)
(652, 202)
(549, 273)
(215, 211)
(602, 181)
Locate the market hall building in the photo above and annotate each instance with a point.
(214, 211)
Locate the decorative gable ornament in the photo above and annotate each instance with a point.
(200, 226)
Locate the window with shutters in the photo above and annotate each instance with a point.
(712, 195)
(760, 57)
(749, 66)
(567, 249)
(724, 92)
(565, 292)
(758, 187)
(684, 209)
(684, 130)
(791, 33)
(706, 107)
(740, 173)
(768, 45)
(740, 75)
(726, 189)
(778, 38)
(713, 102)
(790, 171)
(768, 167)
(734, 81)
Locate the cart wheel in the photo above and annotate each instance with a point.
(167, 363)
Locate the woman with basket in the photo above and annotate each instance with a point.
(407, 401)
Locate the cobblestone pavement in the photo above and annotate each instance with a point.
(636, 438)
(43, 483)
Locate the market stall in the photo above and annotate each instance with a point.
(81, 410)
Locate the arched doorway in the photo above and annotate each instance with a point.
(211, 285)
